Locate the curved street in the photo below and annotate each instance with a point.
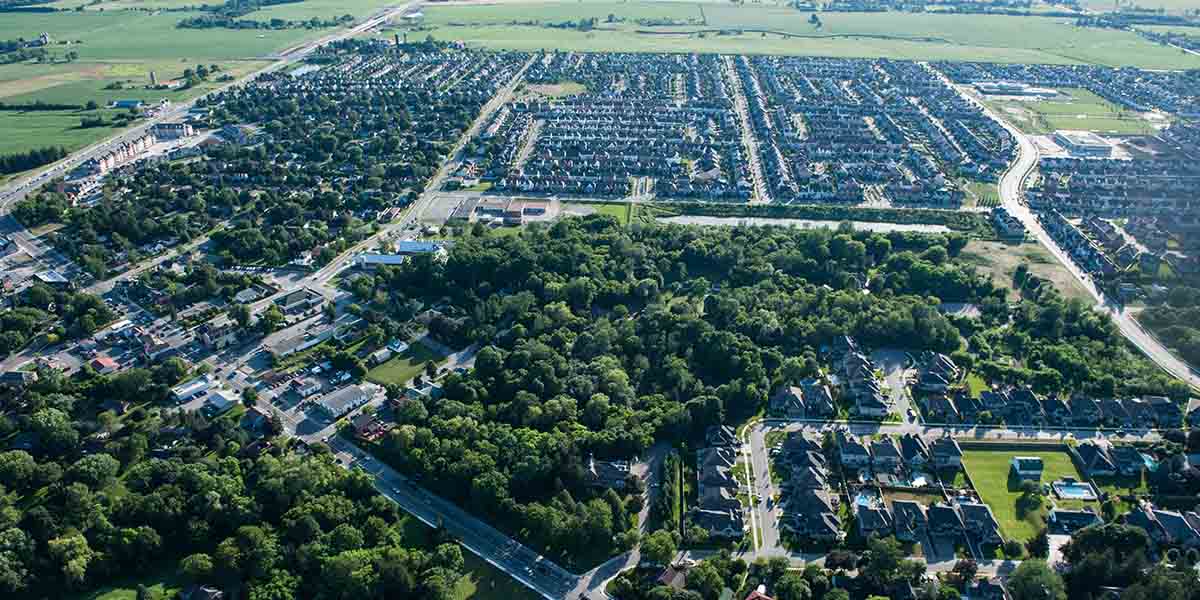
(1011, 186)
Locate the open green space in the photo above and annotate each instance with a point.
(765, 29)
(1080, 110)
(163, 582)
(25, 130)
(399, 369)
(1170, 6)
(485, 582)
(999, 261)
(620, 210)
(989, 470)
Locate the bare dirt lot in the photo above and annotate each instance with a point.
(999, 260)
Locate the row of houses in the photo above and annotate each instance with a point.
(809, 506)
(1022, 406)
(717, 510)
(885, 453)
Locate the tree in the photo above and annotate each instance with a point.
(249, 397)
(94, 470)
(705, 578)
(1034, 580)
(196, 568)
(792, 586)
(240, 313)
(836, 594)
(659, 547)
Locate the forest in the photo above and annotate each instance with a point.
(599, 340)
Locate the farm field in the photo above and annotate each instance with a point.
(26, 130)
(703, 27)
(999, 260)
(1170, 6)
(989, 470)
(1082, 110)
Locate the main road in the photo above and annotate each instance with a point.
(1011, 193)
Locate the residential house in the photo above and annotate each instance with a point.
(1114, 413)
(255, 421)
(306, 386)
(339, 403)
(104, 365)
(728, 523)
(945, 521)
(872, 519)
(1166, 527)
(1069, 521)
(940, 408)
(788, 401)
(852, 453)
(914, 451)
(721, 435)
(980, 524)
(946, 453)
(884, 454)
(201, 592)
(367, 426)
(1084, 410)
(812, 514)
(989, 589)
(938, 372)
(219, 333)
(1027, 467)
(1128, 461)
(607, 474)
(1093, 459)
(1167, 414)
(18, 379)
(909, 520)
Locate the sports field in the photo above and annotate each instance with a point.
(649, 26)
(1081, 110)
(989, 470)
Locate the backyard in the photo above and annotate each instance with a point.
(408, 364)
(989, 471)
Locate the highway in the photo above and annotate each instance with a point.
(1011, 193)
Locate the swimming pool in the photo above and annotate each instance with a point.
(1069, 489)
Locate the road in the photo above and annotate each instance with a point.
(1011, 194)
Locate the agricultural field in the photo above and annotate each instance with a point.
(704, 27)
(1170, 6)
(1080, 110)
(999, 260)
(989, 470)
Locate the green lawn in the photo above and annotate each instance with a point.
(1081, 110)
(404, 367)
(619, 210)
(976, 384)
(485, 582)
(764, 29)
(25, 130)
(981, 193)
(989, 470)
(163, 581)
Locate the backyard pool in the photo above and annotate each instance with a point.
(1069, 489)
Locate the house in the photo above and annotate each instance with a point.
(812, 514)
(884, 453)
(367, 426)
(872, 519)
(980, 524)
(18, 379)
(872, 403)
(938, 372)
(1166, 527)
(1193, 412)
(940, 408)
(759, 593)
(1128, 460)
(728, 524)
(851, 451)
(788, 401)
(104, 365)
(909, 520)
(946, 453)
(914, 451)
(1093, 459)
(1027, 467)
(247, 296)
(1069, 521)
(255, 421)
(1166, 412)
(721, 435)
(607, 474)
(380, 356)
(945, 522)
(673, 577)
(818, 400)
(339, 403)
(1084, 410)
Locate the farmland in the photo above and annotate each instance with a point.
(1081, 109)
(759, 29)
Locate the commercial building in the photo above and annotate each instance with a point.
(339, 403)
(193, 388)
(1083, 143)
(172, 131)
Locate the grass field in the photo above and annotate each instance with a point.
(989, 471)
(1171, 6)
(1082, 110)
(485, 582)
(981, 193)
(520, 25)
(404, 367)
(619, 210)
(999, 261)
(163, 581)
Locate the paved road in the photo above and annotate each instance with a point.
(1011, 193)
